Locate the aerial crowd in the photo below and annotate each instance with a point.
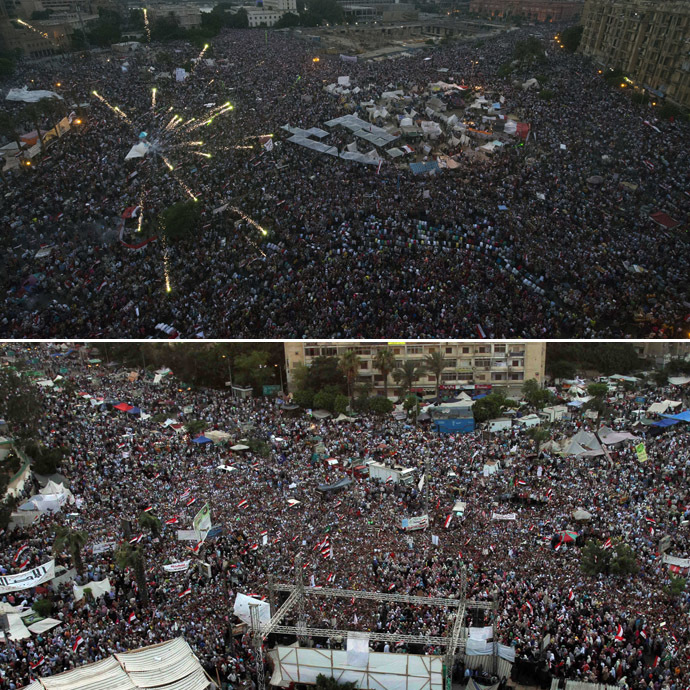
(628, 630)
(518, 244)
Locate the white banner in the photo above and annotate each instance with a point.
(187, 535)
(177, 567)
(504, 516)
(103, 547)
(420, 522)
(27, 580)
(241, 609)
(97, 589)
(680, 562)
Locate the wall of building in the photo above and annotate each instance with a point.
(505, 364)
(646, 39)
(535, 10)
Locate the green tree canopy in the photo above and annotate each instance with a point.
(535, 395)
(406, 374)
(570, 37)
(180, 220)
(435, 364)
(384, 362)
(349, 365)
(489, 407)
(128, 556)
(73, 541)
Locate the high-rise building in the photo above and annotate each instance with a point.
(649, 40)
(534, 10)
(503, 365)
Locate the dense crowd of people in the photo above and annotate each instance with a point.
(627, 630)
(352, 250)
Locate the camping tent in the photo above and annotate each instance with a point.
(26, 96)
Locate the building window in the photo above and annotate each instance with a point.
(364, 365)
(483, 349)
(415, 349)
(517, 376)
(482, 362)
(449, 350)
(465, 350)
(329, 351)
(516, 363)
(495, 376)
(451, 363)
(448, 377)
(311, 351)
(499, 349)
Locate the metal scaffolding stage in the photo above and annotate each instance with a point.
(453, 643)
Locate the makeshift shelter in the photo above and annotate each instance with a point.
(217, 436)
(239, 447)
(201, 439)
(25, 96)
(336, 486)
(166, 666)
(581, 515)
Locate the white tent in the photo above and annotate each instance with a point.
(26, 96)
(662, 407)
(242, 611)
(138, 151)
(48, 503)
(530, 84)
(167, 666)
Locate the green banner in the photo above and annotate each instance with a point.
(641, 452)
(202, 520)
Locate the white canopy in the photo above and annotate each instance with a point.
(26, 96)
(138, 151)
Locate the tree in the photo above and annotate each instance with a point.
(325, 371)
(535, 395)
(594, 559)
(380, 405)
(539, 434)
(676, 587)
(528, 50)
(326, 10)
(238, 20)
(340, 404)
(7, 67)
(108, 29)
(407, 374)
(195, 426)
(166, 28)
(19, 404)
(435, 364)
(73, 541)
(561, 369)
(384, 361)
(623, 561)
(325, 398)
(128, 556)
(289, 19)
(36, 112)
(599, 392)
(304, 397)
(150, 522)
(349, 365)
(488, 407)
(252, 368)
(570, 37)
(9, 128)
(180, 220)
(330, 683)
(411, 406)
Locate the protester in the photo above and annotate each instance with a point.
(602, 629)
(352, 250)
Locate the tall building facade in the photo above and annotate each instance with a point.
(534, 10)
(504, 365)
(649, 40)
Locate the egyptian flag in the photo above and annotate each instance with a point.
(549, 494)
(24, 564)
(276, 540)
(264, 533)
(20, 552)
(571, 595)
(185, 593)
(131, 212)
(649, 164)
(326, 552)
(331, 577)
(643, 634)
(191, 502)
(243, 504)
(607, 544)
(37, 663)
(254, 547)
(172, 521)
(77, 643)
(305, 566)
(520, 482)
(148, 510)
(619, 633)
(132, 617)
(186, 494)
(652, 520)
(480, 332)
(338, 503)
(529, 606)
(446, 524)
(389, 480)
(657, 659)
(197, 547)
(392, 586)
(136, 540)
(295, 538)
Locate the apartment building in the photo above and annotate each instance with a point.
(534, 10)
(649, 40)
(501, 365)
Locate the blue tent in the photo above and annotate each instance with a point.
(666, 422)
(682, 416)
(202, 439)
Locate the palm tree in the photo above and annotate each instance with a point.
(539, 434)
(150, 522)
(349, 365)
(407, 374)
(37, 112)
(384, 361)
(73, 540)
(128, 556)
(435, 364)
(9, 128)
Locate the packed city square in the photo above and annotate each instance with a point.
(505, 211)
(519, 539)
